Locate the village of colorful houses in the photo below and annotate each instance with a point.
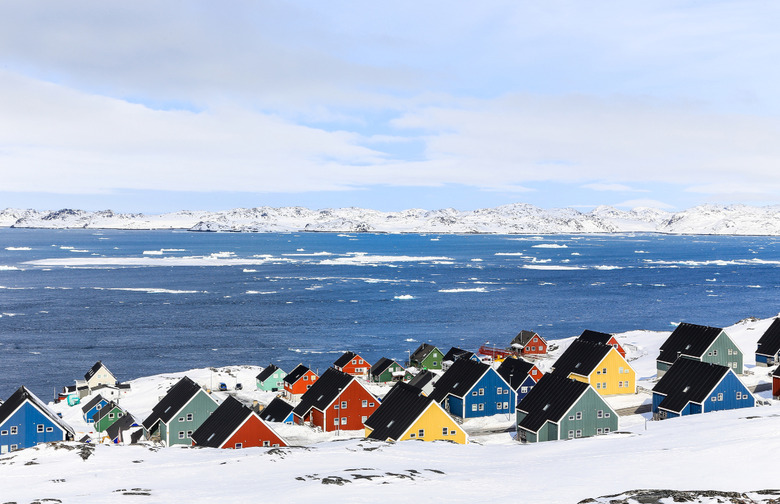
(432, 397)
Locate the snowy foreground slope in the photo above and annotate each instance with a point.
(732, 451)
(508, 219)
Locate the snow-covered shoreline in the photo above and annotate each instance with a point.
(516, 218)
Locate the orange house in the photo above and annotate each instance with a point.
(299, 380)
(352, 364)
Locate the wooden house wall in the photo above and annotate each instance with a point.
(26, 419)
(433, 421)
(254, 432)
(775, 386)
(201, 406)
(618, 371)
(489, 383)
(107, 421)
(722, 345)
(273, 382)
(433, 360)
(588, 405)
(353, 395)
(97, 407)
(729, 386)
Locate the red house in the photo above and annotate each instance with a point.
(337, 401)
(233, 425)
(299, 380)
(776, 383)
(352, 364)
(604, 338)
(529, 343)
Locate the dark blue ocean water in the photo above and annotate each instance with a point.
(70, 298)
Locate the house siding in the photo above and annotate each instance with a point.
(729, 386)
(354, 395)
(26, 419)
(589, 404)
(91, 412)
(432, 422)
(106, 422)
(433, 360)
(274, 382)
(252, 433)
(201, 406)
(775, 386)
(488, 401)
(722, 345)
(613, 363)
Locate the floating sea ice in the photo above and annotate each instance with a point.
(550, 245)
(404, 296)
(8, 268)
(410, 339)
(250, 270)
(475, 289)
(754, 286)
(476, 259)
(18, 248)
(153, 252)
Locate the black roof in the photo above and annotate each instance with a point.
(459, 379)
(296, 374)
(524, 337)
(125, 422)
(266, 373)
(174, 400)
(381, 365)
(687, 381)
(422, 379)
(323, 392)
(94, 369)
(218, 427)
(769, 343)
(514, 371)
(550, 399)
(422, 352)
(345, 358)
(688, 339)
(457, 353)
(276, 411)
(594, 336)
(99, 414)
(398, 410)
(580, 358)
(19, 397)
(91, 404)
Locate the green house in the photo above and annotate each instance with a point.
(561, 408)
(701, 343)
(271, 379)
(106, 416)
(426, 357)
(387, 370)
(179, 413)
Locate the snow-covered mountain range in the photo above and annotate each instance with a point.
(518, 218)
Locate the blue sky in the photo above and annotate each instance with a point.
(153, 107)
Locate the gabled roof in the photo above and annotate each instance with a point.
(174, 400)
(580, 358)
(94, 369)
(422, 379)
(19, 397)
(277, 410)
(514, 371)
(422, 352)
(398, 410)
(381, 366)
(99, 414)
(218, 427)
(125, 422)
(769, 343)
(687, 381)
(457, 353)
(266, 373)
(550, 399)
(688, 339)
(94, 402)
(595, 337)
(323, 392)
(296, 374)
(523, 337)
(345, 359)
(776, 372)
(459, 379)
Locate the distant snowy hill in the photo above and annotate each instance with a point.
(507, 219)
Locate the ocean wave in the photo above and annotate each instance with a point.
(509, 253)
(472, 289)
(551, 267)
(18, 248)
(364, 259)
(550, 245)
(404, 297)
(150, 290)
(259, 292)
(606, 267)
(8, 268)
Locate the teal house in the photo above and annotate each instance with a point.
(179, 413)
(701, 343)
(271, 379)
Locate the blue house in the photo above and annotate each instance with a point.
(520, 374)
(92, 407)
(25, 422)
(470, 389)
(278, 410)
(690, 387)
(768, 348)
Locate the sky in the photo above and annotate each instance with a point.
(152, 107)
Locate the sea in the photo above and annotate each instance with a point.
(150, 302)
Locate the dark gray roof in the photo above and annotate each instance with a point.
(776, 372)
(124, 423)
(580, 358)
(276, 411)
(221, 424)
(688, 339)
(398, 410)
(296, 374)
(91, 404)
(19, 397)
(595, 336)
(381, 365)
(457, 353)
(323, 392)
(99, 414)
(550, 399)
(345, 358)
(514, 371)
(523, 337)
(174, 400)
(422, 379)
(422, 352)
(459, 379)
(267, 372)
(769, 343)
(687, 381)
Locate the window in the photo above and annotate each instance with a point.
(354, 361)
(412, 435)
(606, 430)
(481, 391)
(308, 387)
(365, 403)
(111, 416)
(578, 415)
(620, 384)
(473, 407)
(266, 443)
(598, 385)
(535, 340)
(523, 390)
(474, 393)
(498, 405)
(598, 372)
(499, 391)
(533, 372)
(4, 433)
(370, 405)
(14, 447)
(713, 398)
(181, 418)
(444, 431)
(360, 361)
(343, 404)
(452, 432)
(305, 378)
(481, 407)
(720, 396)
(421, 433)
(335, 421)
(40, 427)
(715, 353)
(571, 417)
(734, 365)
(181, 434)
(579, 433)
(189, 434)
(343, 420)
(533, 348)
(276, 445)
(14, 430)
(620, 370)
(603, 385)
(239, 446)
(600, 414)
(99, 406)
(571, 434)
(363, 418)
(604, 371)
(599, 430)
(506, 405)
(729, 351)
(189, 417)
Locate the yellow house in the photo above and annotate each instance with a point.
(406, 414)
(598, 364)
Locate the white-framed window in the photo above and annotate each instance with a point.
(620, 370)
(189, 434)
(713, 398)
(579, 433)
(481, 391)
(535, 340)
(533, 372)
(720, 396)
(335, 421)
(571, 434)
(4, 433)
(239, 446)
(40, 427)
(190, 417)
(473, 407)
(571, 417)
(715, 353)
(599, 430)
(435, 363)
(14, 430)
(111, 416)
(363, 418)
(734, 365)
(14, 447)
(266, 443)
(343, 404)
(729, 351)
(99, 407)
(533, 348)
(308, 387)
(181, 418)
(481, 407)
(354, 361)
(181, 434)
(305, 378)
(506, 405)
(275, 445)
(498, 405)
(606, 414)
(603, 385)
(598, 385)
(499, 390)
(598, 372)
(364, 403)
(739, 395)
(371, 405)
(578, 415)
(600, 414)
(606, 430)
(421, 433)
(336, 406)
(452, 432)
(620, 384)
(474, 393)
(444, 431)
(523, 390)
(604, 371)
(343, 420)
(412, 435)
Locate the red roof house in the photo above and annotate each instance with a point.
(337, 401)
